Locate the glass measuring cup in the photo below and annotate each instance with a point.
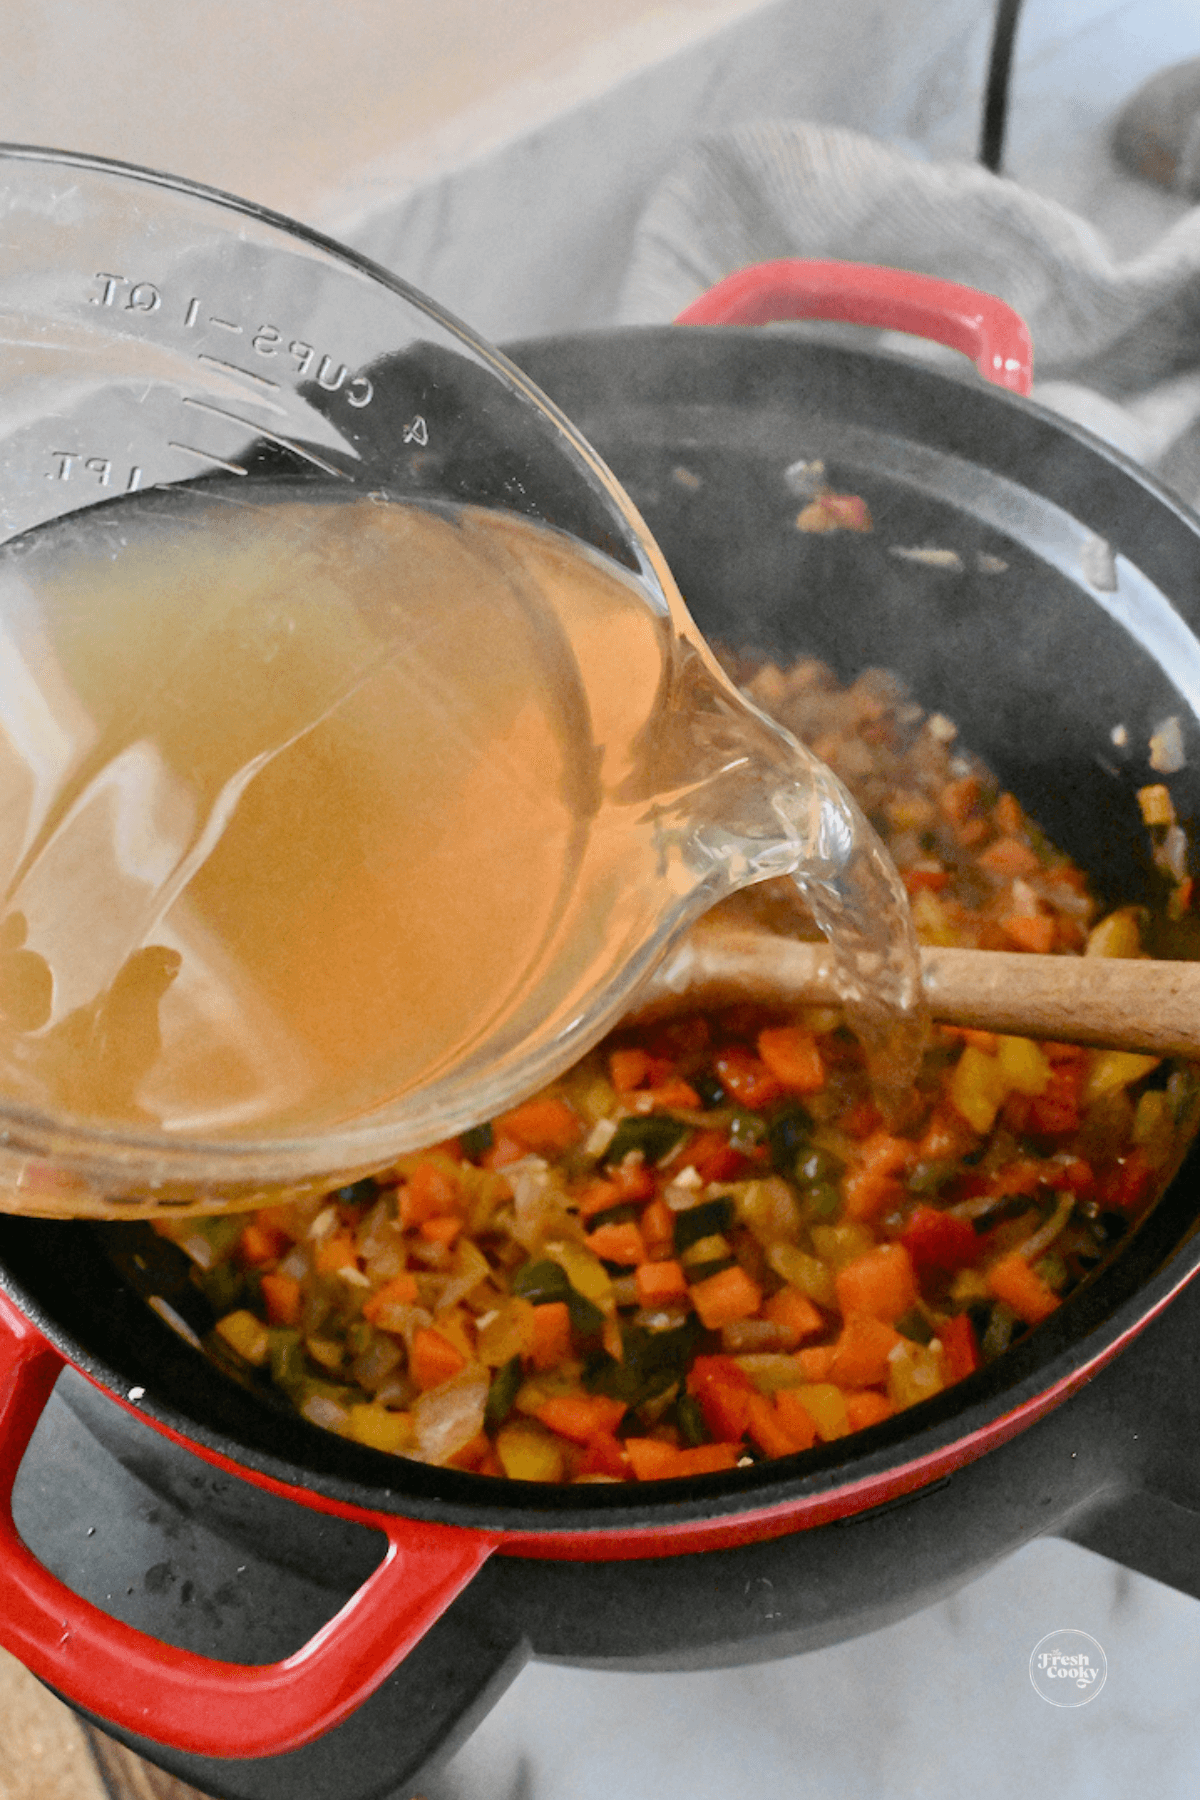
(181, 370)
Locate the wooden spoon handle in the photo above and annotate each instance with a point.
(1122, 1004)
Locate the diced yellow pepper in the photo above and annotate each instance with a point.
(246, 1336)
(826, 1407)
(809, 1274)
(840, 1244)
(977, 1088)
(1154, 1126)
(1113, 1069)
(914, 1373)
(770, 1370)
(1117, 935)
(586, 1273)
(527, 1452)
(380, 1429)
(1023, 1066)
(930, 920)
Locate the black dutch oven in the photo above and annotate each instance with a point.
(1066, 610)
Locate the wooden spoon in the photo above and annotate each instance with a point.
(1121, 1004)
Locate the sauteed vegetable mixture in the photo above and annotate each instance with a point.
(705, 1245)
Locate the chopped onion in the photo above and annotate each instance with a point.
(447, 1417)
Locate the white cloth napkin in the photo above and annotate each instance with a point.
(1116, 344)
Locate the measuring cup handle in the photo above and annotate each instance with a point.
(983, 327)
(176, 1697)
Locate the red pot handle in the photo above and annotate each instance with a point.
(174, 1696)
(986, 329)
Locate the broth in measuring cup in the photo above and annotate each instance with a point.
(307, 802)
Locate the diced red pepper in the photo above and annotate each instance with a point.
(959, 1346)
(938, 1242)
(723, 1392)
(1126, 1184)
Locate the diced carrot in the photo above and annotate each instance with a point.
(657, 1226)
(542, 1124)
(795, 1315)
(620, 1244)
(725, 1297)
(1008, 859)
(442, 1230)
(597, 1197)
(336, 1253)
(634, 1181)
(283, 1219)
(792, 1056)
(958, 799)
(603, 1455)
(987, 1041)
(551, 1335)
(959, 1346)
(862, 1119)
(282, 1299)
(651, 1459)
(947, 1137)
(430, 1192)
(707, 1459)
(879, 1282)
(1012, 1280)
(504, 1149)
(628, 1069)
(1008, 814)
(473, 1454)
(867, 1408)
(796, 1421)
(401, 1290)
(869, 1184)
(433, 1359)
(860, 1355)
(932, 880)
(815, 1363)
(581, 1416)
(674, 1093)
(1030, 932)
(746, 1078)
(848, 512)
(767, 1428)
(660, 1283)
(261, 1243)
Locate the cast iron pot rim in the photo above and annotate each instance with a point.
(960, 1415)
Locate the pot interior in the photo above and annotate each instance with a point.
(1053, 624)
